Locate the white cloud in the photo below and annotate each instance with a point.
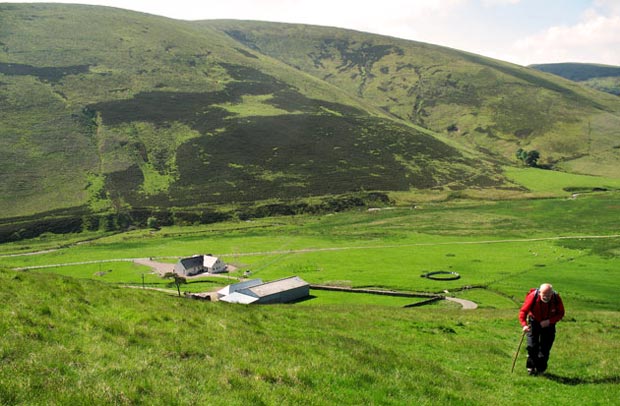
(612, 6)
(491, 3)
(595, 39)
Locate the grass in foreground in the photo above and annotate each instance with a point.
(69, 341)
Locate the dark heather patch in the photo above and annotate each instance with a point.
(51, 74)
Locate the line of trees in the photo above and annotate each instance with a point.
(154, 218)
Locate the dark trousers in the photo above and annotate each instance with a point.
(539, 343)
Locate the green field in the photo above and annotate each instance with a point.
(84, 338)
(498, 246)
(556, 183)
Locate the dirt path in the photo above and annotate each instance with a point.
(466, 304)
(305, 250)
(161, 268)
(421, 244)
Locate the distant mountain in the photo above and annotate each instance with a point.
(600, 77)
(106, 111)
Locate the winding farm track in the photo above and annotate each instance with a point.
(466, 304)
(305, 250)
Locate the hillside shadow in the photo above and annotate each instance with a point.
(573, 381)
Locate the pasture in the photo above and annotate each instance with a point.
(498, 249)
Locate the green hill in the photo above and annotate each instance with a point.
(484, 104)
(579, 72)
(111, 111)
(109, 108)
(600, 77)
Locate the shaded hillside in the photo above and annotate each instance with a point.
(600, 77)
(487, 104)
(109, 109)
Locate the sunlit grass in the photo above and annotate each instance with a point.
(99, 344)
(558, 183)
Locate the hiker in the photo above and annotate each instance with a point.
(542, 308)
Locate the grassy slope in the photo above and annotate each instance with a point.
(149, 111)
(480, 102)
(76, 341)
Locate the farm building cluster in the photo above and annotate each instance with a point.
(255, 291)
(245, 292)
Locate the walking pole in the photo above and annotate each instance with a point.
(514, 361)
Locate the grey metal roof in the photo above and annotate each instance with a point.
(227, 290)
(277, 286)
(191, 262)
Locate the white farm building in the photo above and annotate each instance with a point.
(255, 291)
(199, 264)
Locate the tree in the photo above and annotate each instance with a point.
(177, 280)
(529, 158)
(152, 223)
(532, 158)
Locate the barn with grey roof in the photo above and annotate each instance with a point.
(254, 291)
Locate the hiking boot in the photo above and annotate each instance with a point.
(531, 371)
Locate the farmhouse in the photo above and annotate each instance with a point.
(199, 264)
(254, 291)
(213, 264)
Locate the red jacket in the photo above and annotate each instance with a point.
(539, 310)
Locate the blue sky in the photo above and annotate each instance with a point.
(518, 31)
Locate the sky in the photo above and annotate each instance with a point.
(519, 31)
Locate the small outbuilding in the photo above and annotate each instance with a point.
(279, 291)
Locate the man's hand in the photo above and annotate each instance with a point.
(544, 323)
(526, 329)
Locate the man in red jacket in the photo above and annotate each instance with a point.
(542, 308)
